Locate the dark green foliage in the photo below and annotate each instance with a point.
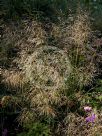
(17, 8)
(95, 9)
(4, 52)
(50, 8)
(36, 129)
(98, 87)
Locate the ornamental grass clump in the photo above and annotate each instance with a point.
(74, 37)
(46, 70)
(77, 37)
(13, 79)
(20, 39)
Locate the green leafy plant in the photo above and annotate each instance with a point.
(36, 129)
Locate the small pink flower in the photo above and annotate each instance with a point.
(91, 118)
(87, 108)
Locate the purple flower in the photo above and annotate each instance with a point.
(87, 108)
(4, 133)
(91, 118)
